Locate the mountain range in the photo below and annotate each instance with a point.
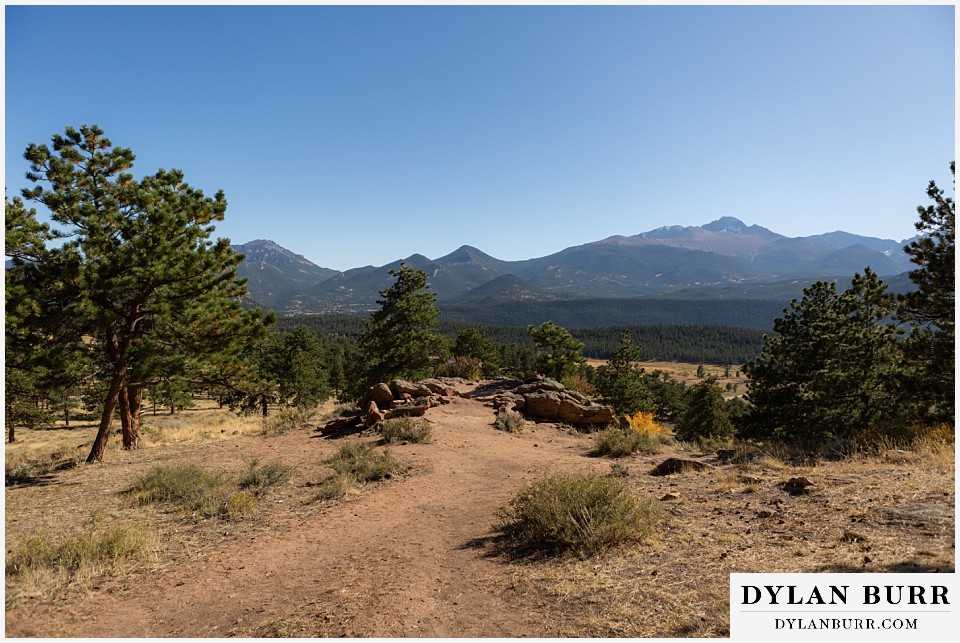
(723, 256)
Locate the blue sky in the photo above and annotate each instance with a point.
(360, 135)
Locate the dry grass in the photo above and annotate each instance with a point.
(509, 421)
(583, 513)
(39, 452)
(204, 422)
(872, 513)
(204, 493)
(354, 465)
(406, 430)
(613, 442)
(40, 565)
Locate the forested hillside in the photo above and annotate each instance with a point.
(668, 342)
(592, 313)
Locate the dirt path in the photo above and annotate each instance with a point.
(410, 556)
(400, 560)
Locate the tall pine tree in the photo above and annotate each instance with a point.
(621, 381)
(401, 339)
(830, 370)
(930, 309)
(138, 275)
(563, 354)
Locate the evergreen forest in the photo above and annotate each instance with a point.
(127, 293)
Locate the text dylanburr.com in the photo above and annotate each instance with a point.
(844, 607)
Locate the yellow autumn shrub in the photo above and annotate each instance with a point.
(644, 422)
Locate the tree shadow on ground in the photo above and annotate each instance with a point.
(39, 477)
(489, 388)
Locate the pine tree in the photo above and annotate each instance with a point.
(400, 340)
(830, 371)
(44, 360)
(930, 309)
(471, 343)
(564, 352)
(621, 381)
(138, 277)
(301, 368)
(706, 414)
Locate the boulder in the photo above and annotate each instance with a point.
(439, 388)
(507, 402)
(797, 486)
(408, 409)
(401, 387)
(379, 393)
(563, 407)
(373, 415)
(340, 424)
(726, 455)
(542, 404)
(545, 384)
(549, 400)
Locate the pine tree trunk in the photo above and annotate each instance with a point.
(109, 407)
(123, 403)
(11, 434)
(263, 405)
(136, 406)
(128, 418)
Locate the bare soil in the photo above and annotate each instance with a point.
(417, 555)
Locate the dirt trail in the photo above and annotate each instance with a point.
(400, 560)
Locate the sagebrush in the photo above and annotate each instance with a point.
(406, 430)
(613, 442)
(580, 513)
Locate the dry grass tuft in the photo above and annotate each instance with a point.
(509, 421)
(207, 494)
(613, 442)
(38, 566)
(286, 419)
(406, 430)
(581, 513)
(355, 464)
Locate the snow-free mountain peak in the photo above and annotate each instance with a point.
(719, 254)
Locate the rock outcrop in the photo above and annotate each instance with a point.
(548, 399)
(388, 400)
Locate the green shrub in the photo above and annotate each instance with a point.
(204, 493)
(509, 421)
(617, 443)
(406, 430)
(258, 478)
(469, 368)
(336, 486)
(187, 485)
(581, 513)
(360, 460)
